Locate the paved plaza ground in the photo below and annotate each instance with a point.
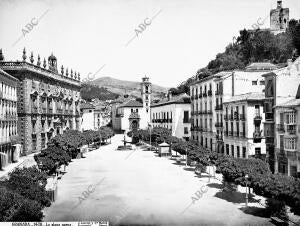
(140, 187)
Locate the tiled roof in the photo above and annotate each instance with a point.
(131, 103)
(246, 97)
(261, 66)
(179, 99)
(86, 106)
(290, 103)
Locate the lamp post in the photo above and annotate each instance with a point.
(246, 177)
(149, 125)
(186, 157)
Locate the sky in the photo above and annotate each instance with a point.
(166, 40)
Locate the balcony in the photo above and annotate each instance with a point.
(270, 140)
(196, 97)
(34, 109)
(200, 96)
(217, 92)
(242, 134)
(120, 115)
(230, 117)
(219, 138)
(230, 133)
(280, 128)
(257, 118)
(257, 136)
(185, 120)
(291, 130)
(59, 111)
(269, 116)
(209, 93)
(236, 116)
(226, 117)
(209, 112)
(44, 110)
(219, 108)
(236, 134)
(242, 117)
(219, 124)
(204, 94)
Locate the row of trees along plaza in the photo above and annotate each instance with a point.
(254, 173)
(23, 194)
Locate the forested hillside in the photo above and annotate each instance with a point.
(251, 46)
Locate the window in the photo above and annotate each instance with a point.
(262, 82)
(257, 152)
(290, 143)
(227, 149)
(238, 151)
(254, 83)
(232, 150)
(186, 117)
(186, 130)
(244, 152)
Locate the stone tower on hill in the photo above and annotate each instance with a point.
(279, 18)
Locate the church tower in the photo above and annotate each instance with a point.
(279, 19)
(146, 93)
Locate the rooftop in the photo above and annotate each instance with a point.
(261, 66)
(179, 99)
(131, 103)
(290, 103)
(86, 106)
(246, 97)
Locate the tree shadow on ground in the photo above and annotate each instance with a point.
(256, 211)
(215, 185)
(189, 168)
(233, 196)
(178, 164)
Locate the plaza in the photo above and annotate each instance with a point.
(138, 187)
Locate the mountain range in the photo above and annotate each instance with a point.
(125, 87)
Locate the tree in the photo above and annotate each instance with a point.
(14, 207)
(30, 183)
(51, 158)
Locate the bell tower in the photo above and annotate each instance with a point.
(146, 91)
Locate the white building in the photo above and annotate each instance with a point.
(132, 114)
(102, 116)
(88, 116)
(208, 95)
(243, 128)
(173, 113)
(287, 137)
(280, 86)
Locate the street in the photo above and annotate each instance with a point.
(140, 187)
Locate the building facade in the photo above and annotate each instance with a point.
(173, 113)
(94, 117)
(132, 114)
(48, 101)
(87, 111)
(287, 137)
(209, 94)
(203, 112)
(280, 86)
(243, 126)
(8, 119)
